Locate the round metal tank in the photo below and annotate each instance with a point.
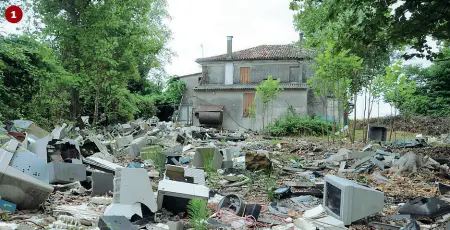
(210, 118)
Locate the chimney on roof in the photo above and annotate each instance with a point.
(300, 41)
(229, 47)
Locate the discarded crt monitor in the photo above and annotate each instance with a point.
(425, 206)
(174, 196)
(17, 187)
(349, 201)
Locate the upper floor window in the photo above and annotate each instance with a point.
(245, 75)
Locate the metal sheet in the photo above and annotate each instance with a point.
(210, 118)
(30, 164)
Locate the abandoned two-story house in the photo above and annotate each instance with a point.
(222, 93)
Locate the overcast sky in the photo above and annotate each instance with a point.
(208, 22)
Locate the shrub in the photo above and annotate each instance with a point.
(198, 213)
(294, 124)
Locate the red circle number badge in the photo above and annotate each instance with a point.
(13, 14)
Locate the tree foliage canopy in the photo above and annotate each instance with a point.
(100, 60)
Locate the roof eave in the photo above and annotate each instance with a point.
(256, 59)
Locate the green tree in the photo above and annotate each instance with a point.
(396, 88)
(104, 44)
(266, 92)
(376, 22)
(334, 72)
(432, 95)
(33, 83)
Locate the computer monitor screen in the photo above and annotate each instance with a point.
(333, 199)
(349, 201)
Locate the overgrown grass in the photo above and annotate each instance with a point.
(294, 124)
(155, 153)
(198, 213)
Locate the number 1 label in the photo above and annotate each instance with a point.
(13, 14)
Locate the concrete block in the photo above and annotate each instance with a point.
(205, 153)
(102, 183)
(132, 185)
(115, 223)
(66, 172)
(174, 196)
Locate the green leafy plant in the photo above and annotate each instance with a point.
(198, 213)
(268, 91)
(4, 215)
(293, 124)
(155, 154)
(270, 182)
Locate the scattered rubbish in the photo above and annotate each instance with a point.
(443, 188)
(115, 223)
(131, 187)
(232, 203)
(208, 155)
(413, 225)
(187, 175)
(101, 183)
(66, 172)
(253, 210)
(408, 143)
(255, 161)
(425, 207)
(7, 206)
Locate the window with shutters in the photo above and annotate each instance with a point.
(249, 98)
(245, 75)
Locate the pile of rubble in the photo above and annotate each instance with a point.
(146, 174)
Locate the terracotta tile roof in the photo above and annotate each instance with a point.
(248, 86)
(263, 52)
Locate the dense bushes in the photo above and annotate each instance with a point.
(298, 125)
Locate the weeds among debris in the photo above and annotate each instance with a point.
(198, 213)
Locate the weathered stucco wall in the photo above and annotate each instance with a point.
(233, 101)
(191, 82)
(286, 71)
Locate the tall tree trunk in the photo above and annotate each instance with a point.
(369, 110)
(354, 116)
(96, 102)
(392, 125)
(334, 120)
(364, 114)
